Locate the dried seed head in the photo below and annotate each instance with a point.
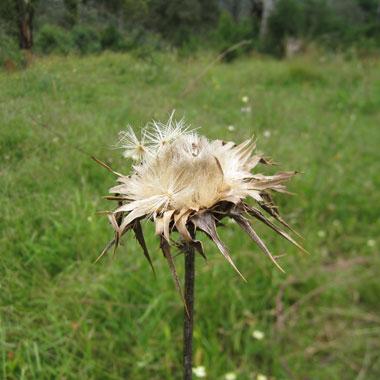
(185, 182)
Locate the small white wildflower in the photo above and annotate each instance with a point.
(371, 243)
(336, 223)
(141, 364)
(199, 372)
(230, 376)
(321, 233)
(331, 206)
(89, 219)
(257, 334)
(245, 99)
(260, 376)
(55, 139)
(145, 360)
(246, 109)
(231, 128)
(267, 134)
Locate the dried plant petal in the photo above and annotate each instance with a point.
(136, 213)
(166, 221)
(180, 221)
(159, 225)
(261, 182)
(112, 219)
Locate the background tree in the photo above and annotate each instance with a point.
(267, 9)
(72, 11)
(178, 19)
(25, 18)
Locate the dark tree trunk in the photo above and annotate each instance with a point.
(25, 14)
(256, 9)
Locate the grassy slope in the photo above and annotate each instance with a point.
(62, 317)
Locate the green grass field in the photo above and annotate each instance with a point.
(64, 317)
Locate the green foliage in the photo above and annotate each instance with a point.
(8, 17)
(229, 32)
(178, 20)
(335, 24)
(111, 38)
(287, 20)
(64, 317)
(145, 44)
(53, 39)
(10, 53)
(136, 13)
(318, 18)
(193, 25)
(72, 11)
(86, 39)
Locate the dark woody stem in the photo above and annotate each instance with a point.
(188, 316)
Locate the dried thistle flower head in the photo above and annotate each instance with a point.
(186, 183)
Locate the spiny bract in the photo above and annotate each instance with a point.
(184, 182)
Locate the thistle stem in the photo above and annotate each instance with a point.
(189, 315)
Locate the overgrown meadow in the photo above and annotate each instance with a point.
(64, 317)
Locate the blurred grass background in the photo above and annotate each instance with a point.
(64, 317)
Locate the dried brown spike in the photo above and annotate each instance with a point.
(141, 240)
(116, 198)
(244, 224)
(258, 215)
(115, 225)
(272, 210)
(101, 163)
(165, 247)
(110, 245)
(199, 247)
(206, 223)
(106, 249)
